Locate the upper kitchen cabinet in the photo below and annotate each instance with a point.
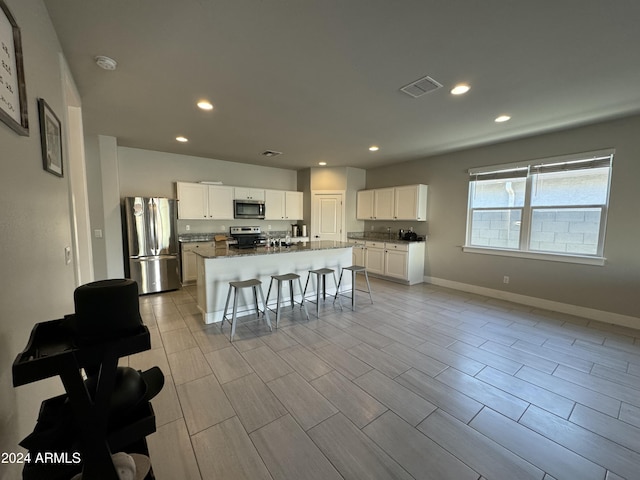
(410, 202)
(383, 205)
(193, 200)
(375, 204)
(197, 201)
(364, 205)
(244, 193)
(407, 202)
(220, 202)
(283, 205)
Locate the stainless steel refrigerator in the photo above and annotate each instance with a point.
(152, 243)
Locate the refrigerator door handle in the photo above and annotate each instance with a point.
(154, 228)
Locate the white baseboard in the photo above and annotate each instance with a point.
(590, 313)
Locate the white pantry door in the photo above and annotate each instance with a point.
(327, 216)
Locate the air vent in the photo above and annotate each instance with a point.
(420, 87)
(271, 153)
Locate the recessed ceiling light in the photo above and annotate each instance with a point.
(322, 163)
(502, 118)
(374, 148)
(182, 139)
(460, 89)
(205, 105)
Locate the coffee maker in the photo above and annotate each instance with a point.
(295, 230)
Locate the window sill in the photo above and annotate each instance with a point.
(551, 257)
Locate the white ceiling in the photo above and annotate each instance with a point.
(319, 80)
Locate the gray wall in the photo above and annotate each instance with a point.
(149, 173)
(35, 226)
(138, 172)
(613, 287)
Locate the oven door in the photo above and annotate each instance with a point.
(248, 209)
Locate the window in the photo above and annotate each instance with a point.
(553, 206)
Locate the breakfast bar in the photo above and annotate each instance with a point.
(219, 266)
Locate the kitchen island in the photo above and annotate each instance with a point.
(219, 266)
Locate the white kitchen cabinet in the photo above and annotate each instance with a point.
(244, 193)
(384, 203)
(410, 202)
(374, 257)
(407, 202)
(193, 200)
(220, 202)
(375, 204)
(197, 201)
(358, 252)
(401, 261)
(396, 260)
(283, 205)
(364, 205)
(189, 260)
(274, 201)
(293, 205)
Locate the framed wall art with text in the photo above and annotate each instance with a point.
(13, 92)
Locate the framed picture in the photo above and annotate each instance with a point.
(51, 139)
(13, 92)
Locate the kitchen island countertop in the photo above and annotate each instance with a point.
(219, 266)
(230, 252)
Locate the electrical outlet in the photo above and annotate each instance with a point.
(97, 233)
(505, 279)
(223, 228)
(67, 255)
(187, 227)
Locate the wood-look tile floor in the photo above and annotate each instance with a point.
(427, 383)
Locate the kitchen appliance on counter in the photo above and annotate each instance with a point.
(152, 258)
(247, 237)
(295, 230)
(248, 209)
(410, 236)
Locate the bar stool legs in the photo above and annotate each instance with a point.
(256, 286)
(321, 274)
(288, 277)
(354, 270)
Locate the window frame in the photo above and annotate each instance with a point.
(524, 250)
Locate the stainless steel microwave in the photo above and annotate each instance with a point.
(248, 209)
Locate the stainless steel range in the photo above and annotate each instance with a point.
(247, 237)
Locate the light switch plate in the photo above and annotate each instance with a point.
(67, 255)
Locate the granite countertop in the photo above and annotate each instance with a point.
(196, 237)
(381, 237)
(210, 237)
(224, 252)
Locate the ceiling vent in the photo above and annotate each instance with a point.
(420, 87)
(271, 153)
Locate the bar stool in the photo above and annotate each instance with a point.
(256, 286)
(321, 273)
(354, 270)
(287, 277)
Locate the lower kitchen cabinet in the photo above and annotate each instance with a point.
(396, 261)
(374, 257)
(400, 261)
(189, 260)
(358, 252)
